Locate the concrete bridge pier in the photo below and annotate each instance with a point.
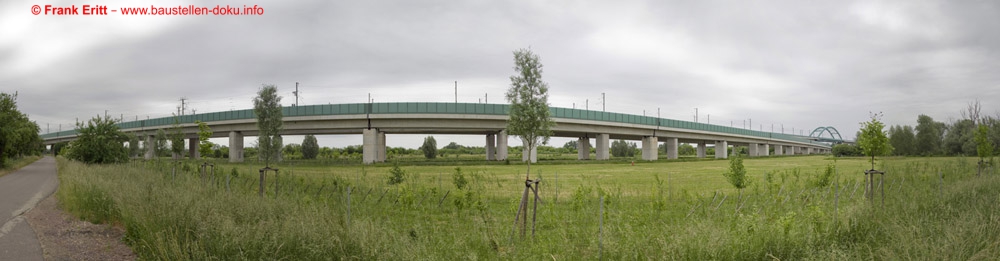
(235, 146)
(721, 148)
(583, 148)
(672, 152)
(764, 150)
(649, 148)
(501, 150)
(778, 150)
(603, 147)
(533, 152)
(752, 149)
(491, 141)
(373, 146)
(809, 151)
(149, 148)
(701, 149)
(193, 152)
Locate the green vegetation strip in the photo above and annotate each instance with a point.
(793, 208)
(18, 164)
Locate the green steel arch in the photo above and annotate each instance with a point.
(817, 134)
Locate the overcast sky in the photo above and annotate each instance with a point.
(801, 64)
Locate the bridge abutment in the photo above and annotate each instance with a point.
(491, 141)
(649, 148)
(193, 152)
(603, 147)
(721, 149)
(531, 153)
(150, 148)
(501, 145)
(672, 152)
(583, 148)
(235, 146)
(373, 146)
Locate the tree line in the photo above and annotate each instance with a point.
(934, 138)
(18, 134)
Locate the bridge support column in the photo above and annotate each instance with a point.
(701, 149)
(583, 148)
(193, 152)
(778, 150)
(809, 151)
(752, 149)
(721, 148)
(491, 140)
(672, 152)
(765, 150)
(532, 153)
(502, 145)
(235, 146)
(149, 148)
(603, 146)
(649, 148)
(373, 146)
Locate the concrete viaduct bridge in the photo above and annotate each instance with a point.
(375, 120)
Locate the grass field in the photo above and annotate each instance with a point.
(651, 210)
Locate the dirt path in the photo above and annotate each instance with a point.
(64, 237)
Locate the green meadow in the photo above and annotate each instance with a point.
(798, 207)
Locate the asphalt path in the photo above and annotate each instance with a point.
(20, 191)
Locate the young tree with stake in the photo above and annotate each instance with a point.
(873, 139)
(530, 119)
(267, 107)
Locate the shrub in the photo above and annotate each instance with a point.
(459, 179)
(396, 175)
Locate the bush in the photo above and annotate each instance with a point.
(846, 150)
(621, 148)
(100, 141)
(459, 179)
(310, 148)
(396, 175)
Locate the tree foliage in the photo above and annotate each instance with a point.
(846, 150)
(310, 147)
(267, 107)
(99, 142)
(176, 139)
(18, 135)
(984, 145)
(160, 140)
(929, 133)
(204, 132)
(737, 174)
(429, 147)
(903, 140)
(621, 148)
(874, 140)
(528, 95)
(133, 145)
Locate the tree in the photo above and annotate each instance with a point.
(99, 142)
(267, 107)
(873, 139)
(902, 140)
(528, 95)
(570, 146)
(429, 147)
(960, 138)
(161, 143)
(133, 145)
(176, 139)
(310, 148)
(18, 134)
(204, 132)
(737, 174)
(452, 146)
(928, 138)
(621, 148)
(846, 150)
(984, 146)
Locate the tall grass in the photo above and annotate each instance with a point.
(8, 166)
(789, 212)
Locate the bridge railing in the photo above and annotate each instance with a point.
(441, 108)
